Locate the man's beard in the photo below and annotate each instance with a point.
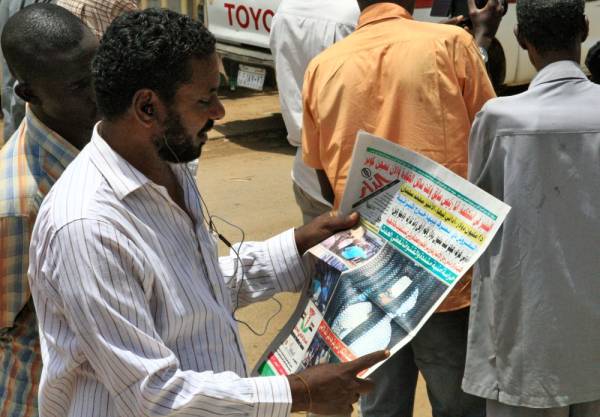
(176, 145)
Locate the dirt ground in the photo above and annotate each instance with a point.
(244, 176)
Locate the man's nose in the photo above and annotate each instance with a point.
(217, 110)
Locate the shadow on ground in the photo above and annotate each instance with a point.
(270, 141)
(265, 134)
(231, 128)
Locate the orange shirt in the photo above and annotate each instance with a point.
(417, 84)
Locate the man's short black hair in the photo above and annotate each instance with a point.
(35, 34)
(551, 25)
(592, 61)
(147, 49)
(363, 4)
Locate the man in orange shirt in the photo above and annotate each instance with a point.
(420, 85)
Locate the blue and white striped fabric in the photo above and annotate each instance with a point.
(135, 312)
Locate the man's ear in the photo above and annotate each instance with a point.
(520, 39)
(586, 29)
(146, 106)
(24, 91)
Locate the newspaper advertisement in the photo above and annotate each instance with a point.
(422, 228)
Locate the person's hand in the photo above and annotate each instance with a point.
(321, 228)
(454, 21)
(332, 388)
(486, 20)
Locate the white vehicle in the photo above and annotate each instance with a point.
(242, 30)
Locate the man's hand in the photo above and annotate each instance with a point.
(321, 228)
(454, 21)
(332, 389)
(486, 20)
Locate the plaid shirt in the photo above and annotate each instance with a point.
(30, 162)
(98, 14)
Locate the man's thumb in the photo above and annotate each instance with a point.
(367, 361)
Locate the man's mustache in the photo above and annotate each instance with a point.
(209, 125)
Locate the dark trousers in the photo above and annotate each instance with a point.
(438, 351)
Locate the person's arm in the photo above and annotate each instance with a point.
(480, 140)
(312, 140)
(290, 64)
(101, 283)
(14, 248)
(485, 25)
(486, 21)
(472, 76)
(255, 271)
(326, 188)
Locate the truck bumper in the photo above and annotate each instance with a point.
(245, 54)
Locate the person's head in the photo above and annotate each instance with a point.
(592, 61)
(157, 73)
(49, 52)
(409, 5)
(551, 30)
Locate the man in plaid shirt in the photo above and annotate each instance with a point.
(49, 51)
(98, 14)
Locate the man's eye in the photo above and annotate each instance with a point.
(80, 85)
(209, 101)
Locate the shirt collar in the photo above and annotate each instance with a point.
(38, 134)
(382, 11)
(556, 71)
(122, 177)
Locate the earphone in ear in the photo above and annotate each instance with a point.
(148, 109)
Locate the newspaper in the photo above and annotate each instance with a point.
(422, 227)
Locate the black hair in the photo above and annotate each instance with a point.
(32, 36)
(551, 25)
(593, 62)
(146, 49)
(363, 4)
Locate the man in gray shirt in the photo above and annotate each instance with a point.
(534, 334)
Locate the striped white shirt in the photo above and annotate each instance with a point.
(135, 307)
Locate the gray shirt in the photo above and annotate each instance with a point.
(534, 333)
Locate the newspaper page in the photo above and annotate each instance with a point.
(422, 227)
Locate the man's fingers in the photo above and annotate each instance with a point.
(455, 21)
(352, 218)
(365, 386)
(367, 361)
(501, 6)
(339, 222)
(497, 5)
(489, 4)
(472, 6)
